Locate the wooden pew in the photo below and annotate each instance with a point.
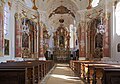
(92, 72)
(96, 72)
(30, 69)
(107, 75)
(25, 72)
(111, 76)
(13, 71)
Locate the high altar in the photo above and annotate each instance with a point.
(61, 44)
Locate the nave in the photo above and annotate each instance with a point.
(36, 34)
(61, 74)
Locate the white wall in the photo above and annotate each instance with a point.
(115, 41)
(114, 38)
(14, 9)
(11, 36)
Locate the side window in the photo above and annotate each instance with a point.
(6, 29)
(95, 3)
(6, 20)
(71, 35)
(117, 13)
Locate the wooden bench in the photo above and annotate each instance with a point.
(96, 72)
(25, 72)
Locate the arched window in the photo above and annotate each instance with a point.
(117, 13)
(71, 35)
(95, 3)
(6, 19)
(6, 28)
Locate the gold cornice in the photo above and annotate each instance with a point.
(34, 7)
(115, 4)
(89, 5)
(9, 4)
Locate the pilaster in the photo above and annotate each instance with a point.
(1, 31)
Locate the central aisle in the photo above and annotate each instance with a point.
(62, 74)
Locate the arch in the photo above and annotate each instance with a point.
(6, 19)
(117, 14)
(95, 3)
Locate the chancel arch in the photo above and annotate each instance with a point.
(117, 13)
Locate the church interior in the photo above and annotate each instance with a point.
(59, 41)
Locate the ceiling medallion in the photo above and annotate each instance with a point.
(61, 20)
(62, 10)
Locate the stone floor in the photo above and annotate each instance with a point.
(61, 74)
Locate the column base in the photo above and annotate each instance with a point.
(82, 58)
(105, 59)
(23, 59)
(18, 59)
(42, 58)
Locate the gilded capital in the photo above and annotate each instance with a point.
(16, 15)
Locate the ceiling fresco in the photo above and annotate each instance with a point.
(56, 10)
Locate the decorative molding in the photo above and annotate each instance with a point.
(34, 7)
(62, 10)
(89, 5)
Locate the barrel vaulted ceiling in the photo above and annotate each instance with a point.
(67, 10)
(55, 10)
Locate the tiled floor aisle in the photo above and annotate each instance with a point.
(61, 74)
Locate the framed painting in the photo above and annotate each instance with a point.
(6, 45)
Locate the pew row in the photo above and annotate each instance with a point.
(24, 72)
(97, 72)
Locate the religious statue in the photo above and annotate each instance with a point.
(25, 40)
(99, 40)
(61, 40)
